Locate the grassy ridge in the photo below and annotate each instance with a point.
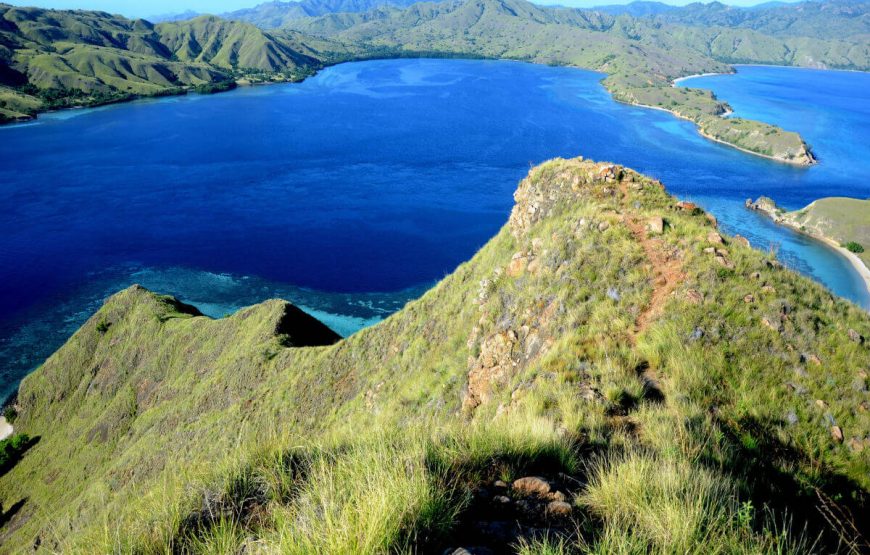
(607, 339)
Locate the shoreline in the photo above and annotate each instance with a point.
(6, 429)
(678, 79)
(714, 139)
(857, 264)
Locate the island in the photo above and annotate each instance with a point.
(841, 222)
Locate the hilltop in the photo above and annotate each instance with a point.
(608, 374)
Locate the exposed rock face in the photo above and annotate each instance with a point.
(766, 206)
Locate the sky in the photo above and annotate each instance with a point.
(137, 8)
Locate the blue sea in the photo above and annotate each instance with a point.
(354, 191)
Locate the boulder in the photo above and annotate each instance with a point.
(532, 485)
(656, 225)
(741, 240)
(855, 336)
(694, 296)
(749, 299)
(715, 238)
(837, 434)
(558, 509)
(686, 206)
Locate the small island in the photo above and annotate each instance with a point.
(841, 222)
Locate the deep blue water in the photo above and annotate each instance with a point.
(370, 177)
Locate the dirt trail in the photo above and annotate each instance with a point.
(667, 270)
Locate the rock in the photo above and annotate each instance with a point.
(613, 294)
(534, 266)
(556, 496)
(469, 551)
(656, 225)
(694, 296)
(532, 485)
(558, 509)
(715, 238)
(697, 334)
(855, 336)
(755, 275)
(821, 404)
(517, 265)
(501, 500)
(741, 240)
(724, 262)
(769, 289)
(855, 445)
(791, 417)
(837, 434)
(500, 484)
(537, 245)
(749, 299)
(709, 250)
(686, 206)
(773, 324)
(814, 359)
(603, 226)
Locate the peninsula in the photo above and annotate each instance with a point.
(842, 223)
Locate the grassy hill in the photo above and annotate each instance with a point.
(272, 15)
(840, 220)
(608, 374)
(53, 59)
(845, 220)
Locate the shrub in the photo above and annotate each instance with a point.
(11, 414)
(852, 246)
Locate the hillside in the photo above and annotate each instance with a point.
(272, 15)
(54, 59)
(608, 374)
(841, 222)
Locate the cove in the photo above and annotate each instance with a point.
(349, 193)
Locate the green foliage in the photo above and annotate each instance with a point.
(852, 246)
(10, 414)
(11, 450)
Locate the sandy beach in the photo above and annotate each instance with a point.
(5, 428)
(678, 79)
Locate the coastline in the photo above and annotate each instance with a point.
(860, 267)
(678, 79)
(6, 429)
(714, 139)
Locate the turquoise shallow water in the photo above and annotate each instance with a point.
(377, 176)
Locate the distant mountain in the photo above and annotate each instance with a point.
(636, 9)
(177, 16)
(272, 15)
(830, 19)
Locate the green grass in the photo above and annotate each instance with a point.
(168, 430)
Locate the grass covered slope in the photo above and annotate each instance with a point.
(607, 375)
(844, 220)
(55, 59)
